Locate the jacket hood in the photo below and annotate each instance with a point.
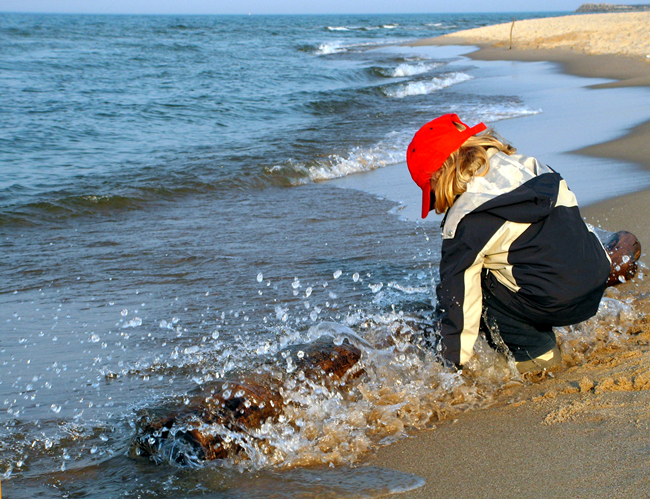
(516, 188)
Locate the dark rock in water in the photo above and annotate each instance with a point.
(624, 249)
(608, 7)
(180, 430)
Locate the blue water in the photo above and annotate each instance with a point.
(165, 219)
(137, 107)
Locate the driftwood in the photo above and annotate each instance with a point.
(179, 431)
(624, 250)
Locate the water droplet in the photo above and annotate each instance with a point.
(240, 393)
(337, 274)
(135, 322)
(355, 277)
(376, 287)
(260, 277)
(308, 292)
(55, 408)
(296, 283)
(124, 312)
(94, 338)
(215, 335)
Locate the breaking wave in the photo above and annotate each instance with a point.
(389, 151)
(425, 87)
(407, 69)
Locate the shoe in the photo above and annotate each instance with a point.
(545, 361)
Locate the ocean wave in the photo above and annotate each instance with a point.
(499, 113)
(332, 48)
(425, 87)
(338, 46)
(362, 28)
(389, 151)
(62, 204)
(491, 113)
(406, 69)
(413, 70)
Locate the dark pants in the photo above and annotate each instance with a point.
(502, 326)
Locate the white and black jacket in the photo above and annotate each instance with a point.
(517, 233)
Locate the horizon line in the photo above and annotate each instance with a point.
(288, 14)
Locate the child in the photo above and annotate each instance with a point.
(517, 257)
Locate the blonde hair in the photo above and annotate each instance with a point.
(468, 161)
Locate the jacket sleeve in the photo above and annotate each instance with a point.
(460, 299)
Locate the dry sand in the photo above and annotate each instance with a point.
(583, 430)
(616, 34)
(604, 38)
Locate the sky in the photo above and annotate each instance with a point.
(283, 6)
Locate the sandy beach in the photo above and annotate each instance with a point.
(581, 431)
(185, 226)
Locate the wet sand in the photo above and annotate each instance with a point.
(582, 431)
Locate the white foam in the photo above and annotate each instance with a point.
(362, 28)
(425, 87)
(339, 46)
(389, 151)
(331, 48)
(410, 290)
(493, 113)
(412, 69)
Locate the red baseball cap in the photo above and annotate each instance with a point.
(431, 146)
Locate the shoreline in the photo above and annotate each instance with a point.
(610, 214)
(581, 432)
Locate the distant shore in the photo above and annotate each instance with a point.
(582, 432)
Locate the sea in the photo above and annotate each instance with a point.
(168, 218)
